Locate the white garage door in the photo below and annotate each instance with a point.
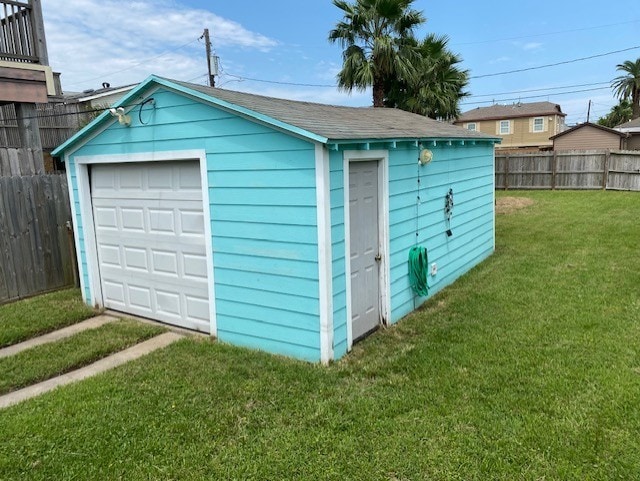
(150, 239)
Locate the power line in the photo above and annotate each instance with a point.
(527, 69)
(540, 89)
(554, 64)
(241, 78)
(548, 33)
(532, 96)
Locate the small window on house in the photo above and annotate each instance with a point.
(472, 126)
(505, 127)
(538, 124)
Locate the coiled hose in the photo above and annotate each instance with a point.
(418, 270)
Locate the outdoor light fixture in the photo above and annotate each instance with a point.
(123, 118)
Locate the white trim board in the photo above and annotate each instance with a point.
(325, 272)
(382, 157)
(82, 164)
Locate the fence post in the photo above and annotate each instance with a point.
(605, 169)
(506, 171)
(554, 168)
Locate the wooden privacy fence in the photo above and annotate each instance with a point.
(575, 169)
(36, 246)
(56, 121)
(15, 162)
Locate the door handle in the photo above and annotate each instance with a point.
(378, 258)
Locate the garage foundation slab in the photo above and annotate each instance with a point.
(115, 360)
(65, 332)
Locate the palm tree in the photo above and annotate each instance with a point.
(628, 86)
(438, 86)
(619, 114)
(375, 36)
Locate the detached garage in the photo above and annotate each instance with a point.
(278, 225)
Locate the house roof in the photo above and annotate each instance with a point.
(497, 112)
(632, 124)
(92, 94)
(317, 122)
(341, 123)
(589, 124)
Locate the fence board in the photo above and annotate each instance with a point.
(56, 122)
(34, 243)
(586, 169)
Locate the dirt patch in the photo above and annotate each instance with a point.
(508, 205)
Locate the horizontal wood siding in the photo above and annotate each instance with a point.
(468, 170)
(263, 218)
(521, 134)
(587, 137)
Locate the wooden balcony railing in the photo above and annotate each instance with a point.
(22, 32)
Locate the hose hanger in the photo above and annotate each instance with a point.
(448, 211)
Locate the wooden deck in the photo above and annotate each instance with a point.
(22, 32)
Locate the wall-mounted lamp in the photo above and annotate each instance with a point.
(425, 157)
(123, 118)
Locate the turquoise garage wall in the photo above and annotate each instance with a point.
(275, 180)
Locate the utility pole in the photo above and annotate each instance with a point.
(212, 71)
(588, 111)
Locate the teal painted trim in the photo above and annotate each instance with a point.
(374, 144)
(152, 81)
(100, 119)
(239, 110)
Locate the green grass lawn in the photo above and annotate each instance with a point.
(527, 368)
(33, 317)
(49, 360)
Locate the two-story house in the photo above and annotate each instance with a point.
(522, 126)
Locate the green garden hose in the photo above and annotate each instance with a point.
(418, 269)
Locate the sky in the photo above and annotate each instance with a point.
(279, 48)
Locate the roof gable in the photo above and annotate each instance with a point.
(316, 122)
(589, 125)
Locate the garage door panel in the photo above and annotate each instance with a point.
(140, 296)
(106, 218)
(188, 243)
(105, 194)
(195, 266)
(119, 274)
(149, 228)
(197, 308)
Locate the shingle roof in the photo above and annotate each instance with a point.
(496, 112)
(630, 124)
(341, 123)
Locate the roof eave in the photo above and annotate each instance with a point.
(144, 85)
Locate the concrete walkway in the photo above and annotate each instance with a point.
(97, 367)
(69, 331)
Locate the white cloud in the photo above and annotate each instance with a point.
(499, 60)
(531, 46)
(117, 41)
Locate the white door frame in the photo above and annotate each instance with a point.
(82, 164)
(382, 157)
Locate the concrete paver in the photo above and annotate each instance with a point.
(97, 367)
(68, 331)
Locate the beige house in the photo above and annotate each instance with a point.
(522, 126)
(633, 129)
(589, 136)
